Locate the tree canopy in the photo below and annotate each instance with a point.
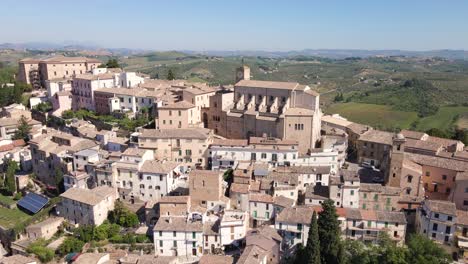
(23, 129)
(170, 75)
(329, 233)
(122, 216)
(313, 242)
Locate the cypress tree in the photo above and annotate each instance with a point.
(313, 242)
(329, 233)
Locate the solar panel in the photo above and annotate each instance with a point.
(33, 202)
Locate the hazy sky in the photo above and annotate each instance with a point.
(240, 25)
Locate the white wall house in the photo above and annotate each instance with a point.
(436, 220)
(178, 236)
(233, 226)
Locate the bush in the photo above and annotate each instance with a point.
(69, 245)
(39, 249)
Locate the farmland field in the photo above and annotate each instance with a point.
(444, 118)
(378, 116)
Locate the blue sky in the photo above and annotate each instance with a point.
(240, 25)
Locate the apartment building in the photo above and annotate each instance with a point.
(365, 225)
(233, 227)
(374, 196)
(87, 207)
(226, 153)
(344, 189)
(124, 100)
(374, 147)
(261, 208)
(436, 219)
(54, 151)
(37, 71)
(178, 236)
(137, 174)
(9, 126)
(187, 146)
(84, 85)
(293, 225)
(262, 246)
(181, 114)
(439, 174)
(284, 110)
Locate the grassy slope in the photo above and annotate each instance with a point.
(443, 119)
(463, 121)
(378, 116)
(10, 217)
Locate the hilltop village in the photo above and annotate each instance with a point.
(110, 166)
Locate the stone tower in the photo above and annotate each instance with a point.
(396, 164)
(242, 73)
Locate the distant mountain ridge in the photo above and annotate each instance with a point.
(328, 53)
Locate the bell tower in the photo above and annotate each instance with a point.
(397, 155)
(242, 73)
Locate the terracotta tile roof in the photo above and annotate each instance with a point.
(216, 259)
(178, 105)
(136, 152)
(368, 215)
(230, 142)
(377, 136)
(462, 217)
(239, 188)
(283, 201)
(422, 144)
(261, 198)
(153, 166)
(211, 228)
(89, 196)
(178, 224)
(189, 133)
(444, 207)
(413, 134)
(317, 192)
(395, 217)
(175, 199)
(301, 214)
(267, 84)
(440, 162)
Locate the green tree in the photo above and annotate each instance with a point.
(329, 233)
(301, 255)
(170, 75)
(122, 216)
(10, 183)
(389, 252)
(422, 250)
(23, 129)
(43, 107)
(113, 63)
(59, 180)
(313, 242)
(69, 245)
(436, 132)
